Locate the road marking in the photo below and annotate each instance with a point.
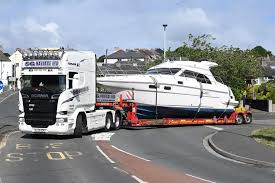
(1, 181)
(22, 146)
(5, 139)
(60, 156)
(120, 170)
(129, 153)
(7, 97)
(105, 136)
(12, 157)
(56, 145)
(199, 178)
(214, 127)
(138, 179)
(72, 154)
(107, 157)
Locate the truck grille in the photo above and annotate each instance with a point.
(40, 113)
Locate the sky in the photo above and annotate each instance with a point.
(98, 25)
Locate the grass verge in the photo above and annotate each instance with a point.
(265, 136)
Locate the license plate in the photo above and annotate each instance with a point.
(39, 130)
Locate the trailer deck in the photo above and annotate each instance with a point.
(240, 116)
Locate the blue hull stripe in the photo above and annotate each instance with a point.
(149, 112)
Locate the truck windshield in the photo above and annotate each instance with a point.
(53, 83)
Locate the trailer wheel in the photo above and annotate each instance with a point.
(239, 119)
(117, 122)
(248, 119)
(78, 127)
(108, 122)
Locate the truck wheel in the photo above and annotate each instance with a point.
(239, 119)
(248, 119)
(78, 127)
(117, 122)
(108, 122)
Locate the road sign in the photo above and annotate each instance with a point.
(1, 86)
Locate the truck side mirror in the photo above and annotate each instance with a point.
(75, 81)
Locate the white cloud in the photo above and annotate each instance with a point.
(196, 17)
(30, 25)
(188, 20)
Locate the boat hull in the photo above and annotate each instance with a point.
(159, 112)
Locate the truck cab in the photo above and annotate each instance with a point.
(58, 93)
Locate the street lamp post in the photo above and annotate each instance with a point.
(164, 41)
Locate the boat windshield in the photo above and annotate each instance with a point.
(165, 71)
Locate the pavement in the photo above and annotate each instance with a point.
(238, 144)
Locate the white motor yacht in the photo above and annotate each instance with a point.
(176, 89)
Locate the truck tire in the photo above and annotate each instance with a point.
(248, 119)
(108, 122)
(117, 122)
(78, 127)
(240, 119)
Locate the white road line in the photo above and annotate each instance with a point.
(1, 181)
(119, 169)
(105, 136)
(109, 159)
(214, 127)
(7, 97)
(138, 179)
(129, 153)
(199, 178)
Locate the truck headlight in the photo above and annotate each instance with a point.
(21, 120)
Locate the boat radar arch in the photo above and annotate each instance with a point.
(208, 64)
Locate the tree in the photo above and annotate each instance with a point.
(235, 65)
(259, 51)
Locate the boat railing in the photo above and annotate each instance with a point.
(132, 69)
(117, 70)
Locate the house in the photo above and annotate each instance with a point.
(16, 60)
(268, 65)
(143, 55)
(5, 68)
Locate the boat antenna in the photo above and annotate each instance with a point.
(164, 42)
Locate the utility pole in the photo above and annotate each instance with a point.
(106, 56)
(164, 42)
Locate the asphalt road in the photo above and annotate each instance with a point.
(9, 109)
(148, 155)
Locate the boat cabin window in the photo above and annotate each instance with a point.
(189, 74)
(203, 79)
(199, 77)
(165, 71)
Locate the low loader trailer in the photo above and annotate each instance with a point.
(127, 110)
